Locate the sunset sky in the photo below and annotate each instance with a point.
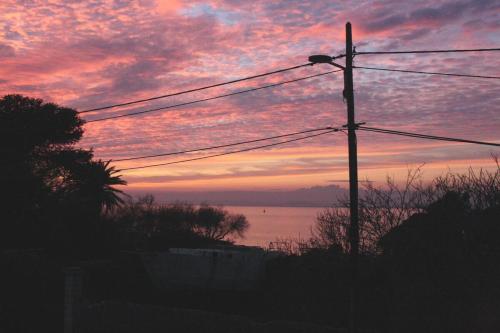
(86, 54)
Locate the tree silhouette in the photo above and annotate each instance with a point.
(384, 208)
(44, 178)
(93, 184)
(32, 134)
(217, 224)
(144, 223)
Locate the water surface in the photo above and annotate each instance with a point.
(269, 223)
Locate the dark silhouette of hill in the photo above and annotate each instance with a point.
(317, 196)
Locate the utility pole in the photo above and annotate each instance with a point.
(353, 180)
(353, 171)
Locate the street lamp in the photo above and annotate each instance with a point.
(320, 59)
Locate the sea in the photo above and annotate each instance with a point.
(268, 224)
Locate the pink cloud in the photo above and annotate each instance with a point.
(85, 54)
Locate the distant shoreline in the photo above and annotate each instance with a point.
(316, 197)
(254, 205)
(276, 206)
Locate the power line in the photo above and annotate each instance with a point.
(426, 136)
(196, 89)
(232, 152)
(210, 98)
(429, 73)
(221, 146)
(429, 51)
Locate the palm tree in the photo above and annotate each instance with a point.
(95, 185)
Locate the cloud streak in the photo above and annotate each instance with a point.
(94, 53)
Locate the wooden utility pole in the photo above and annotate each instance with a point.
(353, 170)
(353, 181)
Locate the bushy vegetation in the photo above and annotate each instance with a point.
(57, 197)
(53, 193)
(429, 259)
(61, 207)
(385, 208)
(145, 224)
(429, 252)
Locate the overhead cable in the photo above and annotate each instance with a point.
(195, 89)
(428, 51)
(231, 152)
(428, 73)
(426, 136)
(220, 146)
(209, 98)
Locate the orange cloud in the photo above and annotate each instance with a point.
(85, 55)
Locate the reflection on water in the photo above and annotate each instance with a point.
(269, 223)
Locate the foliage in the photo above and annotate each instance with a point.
(93, 184)
(217, 224)
(291, 246)
(429, 260)
(381, 209)
(482, 188)
(50, 187)
(445, 260)
(32, 136)
(158, 226)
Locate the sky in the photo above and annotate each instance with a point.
(87, 54)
